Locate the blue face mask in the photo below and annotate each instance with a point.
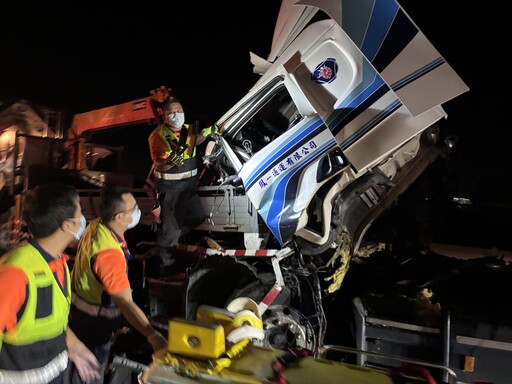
(78, 234)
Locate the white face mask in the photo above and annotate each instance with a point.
(176, 119)
(135, 218)
(78, 234)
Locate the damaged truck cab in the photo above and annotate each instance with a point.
(345, 117)
(340, 123)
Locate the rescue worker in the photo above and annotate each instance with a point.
(172, 147)
(101, 291)
(35, 340)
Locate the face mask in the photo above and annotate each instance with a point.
(135, 218)
(81, 230)
(176, 120)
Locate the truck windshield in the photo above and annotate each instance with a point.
(273, 116)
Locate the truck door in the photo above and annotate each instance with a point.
(279, 151)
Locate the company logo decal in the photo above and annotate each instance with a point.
(289, 162)
(325, 72)
(139, 105)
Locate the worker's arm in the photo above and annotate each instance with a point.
(13, 285)
(85, 362)
(138, 319)
(163, 160)
(158, 152)
(200, 139)
(162, 164)
(110, 267)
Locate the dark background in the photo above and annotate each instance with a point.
(79, 56)
(83, 55)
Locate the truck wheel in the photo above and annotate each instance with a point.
(287, 328)
(284, 326)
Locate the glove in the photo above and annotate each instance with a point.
(85, 362)
(157, 341)
(211, 131)
(175, 160)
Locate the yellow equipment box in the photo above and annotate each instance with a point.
(196, 339)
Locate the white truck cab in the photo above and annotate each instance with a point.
(343, 119)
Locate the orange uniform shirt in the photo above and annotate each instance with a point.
(157, 147)
(110, 267)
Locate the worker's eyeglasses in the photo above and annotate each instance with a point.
(129, 211)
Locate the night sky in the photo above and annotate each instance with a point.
(81, 56)
(84, 57)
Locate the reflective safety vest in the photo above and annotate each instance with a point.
(35, 350)
(176, 144)
(88, 292)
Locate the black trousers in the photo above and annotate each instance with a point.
(181, 211)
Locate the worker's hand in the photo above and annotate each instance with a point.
(215, 137)
(210, 131)
(85, 362)
(157, 341)
(175, 160)
(215, 132)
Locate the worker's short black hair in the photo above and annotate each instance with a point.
(46, 206)
(171, 100)
(111, 201)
